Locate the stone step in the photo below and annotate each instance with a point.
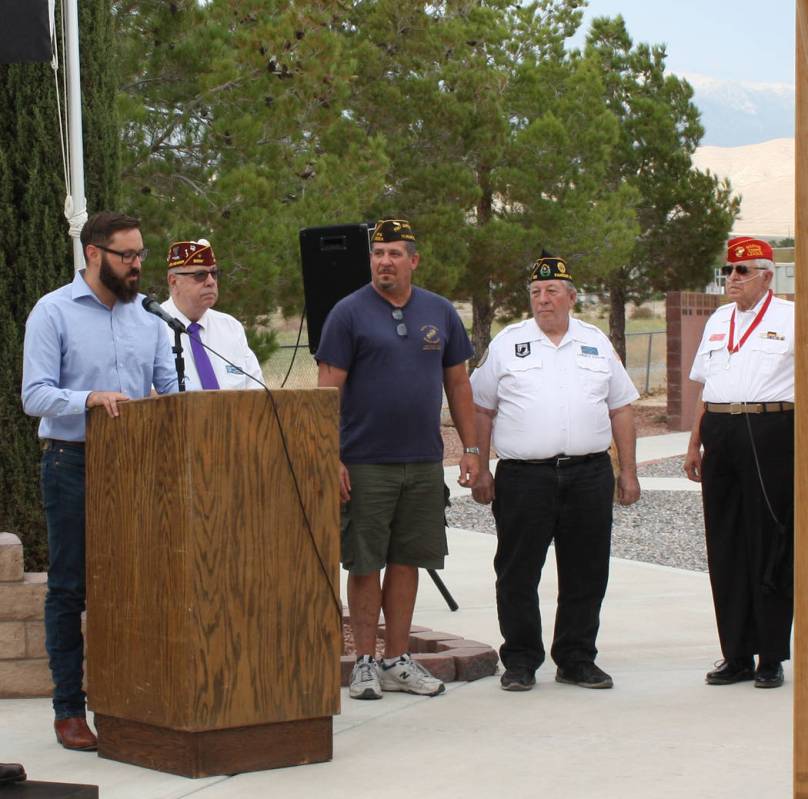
(25, 678)
(25, 600)
(11, 568)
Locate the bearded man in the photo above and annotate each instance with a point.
(87, 344)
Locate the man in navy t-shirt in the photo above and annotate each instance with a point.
(392, 349)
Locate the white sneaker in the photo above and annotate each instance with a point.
(365, 679)
(407, 675)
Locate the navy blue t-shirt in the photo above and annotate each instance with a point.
(392, 397)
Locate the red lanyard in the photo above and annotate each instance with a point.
(755, 322)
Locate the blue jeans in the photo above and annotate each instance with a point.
(63, 498)
(572, 507)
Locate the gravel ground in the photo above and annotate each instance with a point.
(667, 467)
(664, 527)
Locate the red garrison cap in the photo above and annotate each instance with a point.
(191, 253)
(743, 248)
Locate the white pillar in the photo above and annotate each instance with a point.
(76, 154)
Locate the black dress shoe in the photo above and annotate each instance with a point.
(12, 772)
(769, 675)
(731, 671)
(517, 680)
(584, 673)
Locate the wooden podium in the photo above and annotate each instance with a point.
(214, 626)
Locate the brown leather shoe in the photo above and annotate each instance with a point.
(12, 772)
(73, 733)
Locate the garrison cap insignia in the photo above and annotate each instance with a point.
(191, 253)
(743, 248)
(393, 230)
(548, 267)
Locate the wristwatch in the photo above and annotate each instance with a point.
(471, 450)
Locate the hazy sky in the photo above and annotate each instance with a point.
(745, 40)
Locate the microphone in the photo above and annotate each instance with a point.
(152, 306)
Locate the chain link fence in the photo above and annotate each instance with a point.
(303, 372)
(647, 360)
(646, 363)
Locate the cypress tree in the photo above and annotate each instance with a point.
(35, 250)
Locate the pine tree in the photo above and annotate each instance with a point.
(684, 215)
(498, 143)
(35, 257)
(236, 130)
(35, 250)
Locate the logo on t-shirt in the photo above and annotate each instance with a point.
(522, 350)
(431, 337)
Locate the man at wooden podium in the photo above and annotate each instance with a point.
(193, 281)
(391, 348)
(745, 423)
(87, 344)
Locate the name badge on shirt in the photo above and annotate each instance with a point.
(717, 337)
(773, 336)
(585, 350)
(232, 370)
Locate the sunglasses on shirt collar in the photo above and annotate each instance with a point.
(401, 327)
(741, 269)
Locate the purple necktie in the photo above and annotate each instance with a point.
(207, 376)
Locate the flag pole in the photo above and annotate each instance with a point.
(76, 204)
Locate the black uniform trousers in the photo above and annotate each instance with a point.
(750, 557)
(570, 505)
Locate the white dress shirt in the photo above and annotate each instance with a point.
(762, 370)
(551, 400)
(226, 335)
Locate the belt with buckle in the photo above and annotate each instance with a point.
(55, 443)
(736, 408)
(558, 460)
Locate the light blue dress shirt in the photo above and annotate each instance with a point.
(75, 345)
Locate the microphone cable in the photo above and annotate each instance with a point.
(297, 346)
(298, 492)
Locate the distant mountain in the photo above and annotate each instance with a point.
(736, 113)
(763, 174)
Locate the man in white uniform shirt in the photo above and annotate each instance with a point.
(193, 281)
(555, 394)
(745, 423)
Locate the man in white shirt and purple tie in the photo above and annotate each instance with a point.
(193, 281)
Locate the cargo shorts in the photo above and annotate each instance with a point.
(395, 515)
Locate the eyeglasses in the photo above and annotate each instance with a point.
(127, 256)
(398, 315)
(741, 269)
(201, 275)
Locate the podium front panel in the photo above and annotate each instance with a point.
(212, 604)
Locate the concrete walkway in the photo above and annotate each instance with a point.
(660, 733)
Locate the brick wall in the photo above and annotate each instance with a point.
(23, 660)
(686, 313)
